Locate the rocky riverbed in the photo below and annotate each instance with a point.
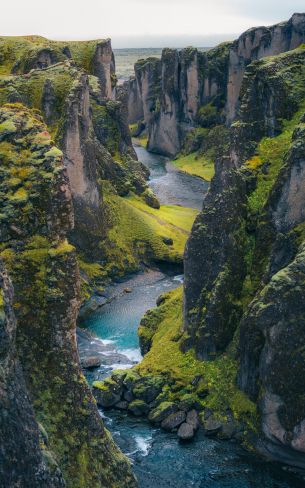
(159, 457)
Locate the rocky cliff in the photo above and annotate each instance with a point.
(243, 262)
(51, 430)
(190, 89)
(227, 351)
(76, 212)
(18, 424)
(53, 400)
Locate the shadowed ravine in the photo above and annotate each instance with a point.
(159, 460)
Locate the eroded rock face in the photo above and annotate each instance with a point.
(104, 67)
(288, 201)
(189, 80)
(77, 132)
(272, 335)
(211, 316)
(34, 52)
(258, 43)
(168, 93)
(23, 460)
(244, 265)
(37, 209)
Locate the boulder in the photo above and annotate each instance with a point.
(228, 430)
(148, 389)
(163, 410)
(151, 199)
(138, 408)
(173, 420)
(212, 426)
(122, 405)
(91, 362)
(107, 394)
(193, 419)
(128, 396)
(186, 432)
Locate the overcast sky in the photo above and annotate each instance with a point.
(143, 23)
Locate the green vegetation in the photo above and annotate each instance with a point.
(196, 165)
(218, 378)
(267, 162)
(207, 115)
(137, 232)
(19, 54)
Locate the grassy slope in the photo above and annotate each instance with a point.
(195, 165)
(137, 232)
(218, 377)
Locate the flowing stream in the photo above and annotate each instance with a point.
(159, 460)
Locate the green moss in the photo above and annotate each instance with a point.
(272, 152)
(63, 248)
(100, 385)
(195, 165)
(207, 115)
(218, 377)
(7, 127)
(21, 195)
(54, 152)
(137, 232)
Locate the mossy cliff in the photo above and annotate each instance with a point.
(186, 101)
(20, 55)
(25, 454)
(230, 345)
(251, 229)
(89, 124)
(36, 218)
(73, 196)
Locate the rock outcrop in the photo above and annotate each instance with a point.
(37, 215)
(23, 54)
(167, 94)
(190, 88)
(230, 351)
(257, 43)
(244, 261)
(24, 460)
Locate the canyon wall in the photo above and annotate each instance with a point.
(244, 261)
(193, 85)
(51, 431)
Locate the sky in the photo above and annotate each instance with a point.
(143, 23)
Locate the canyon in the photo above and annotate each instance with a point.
(223, 355)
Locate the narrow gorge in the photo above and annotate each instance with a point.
(152, 264)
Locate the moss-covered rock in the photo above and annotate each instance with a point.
(160, 413)
(43, 269)
(138, 408)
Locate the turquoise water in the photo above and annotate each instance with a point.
(117, 322)
(171, 186)
(159, 460)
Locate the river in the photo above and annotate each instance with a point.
(159, 460)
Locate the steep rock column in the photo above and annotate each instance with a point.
(255, 44)
(104, 67)
(24, 455)
(272, 330)
(82, 154)
(215, 266)
(164, 133)
(189, 84)
(37, 209)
